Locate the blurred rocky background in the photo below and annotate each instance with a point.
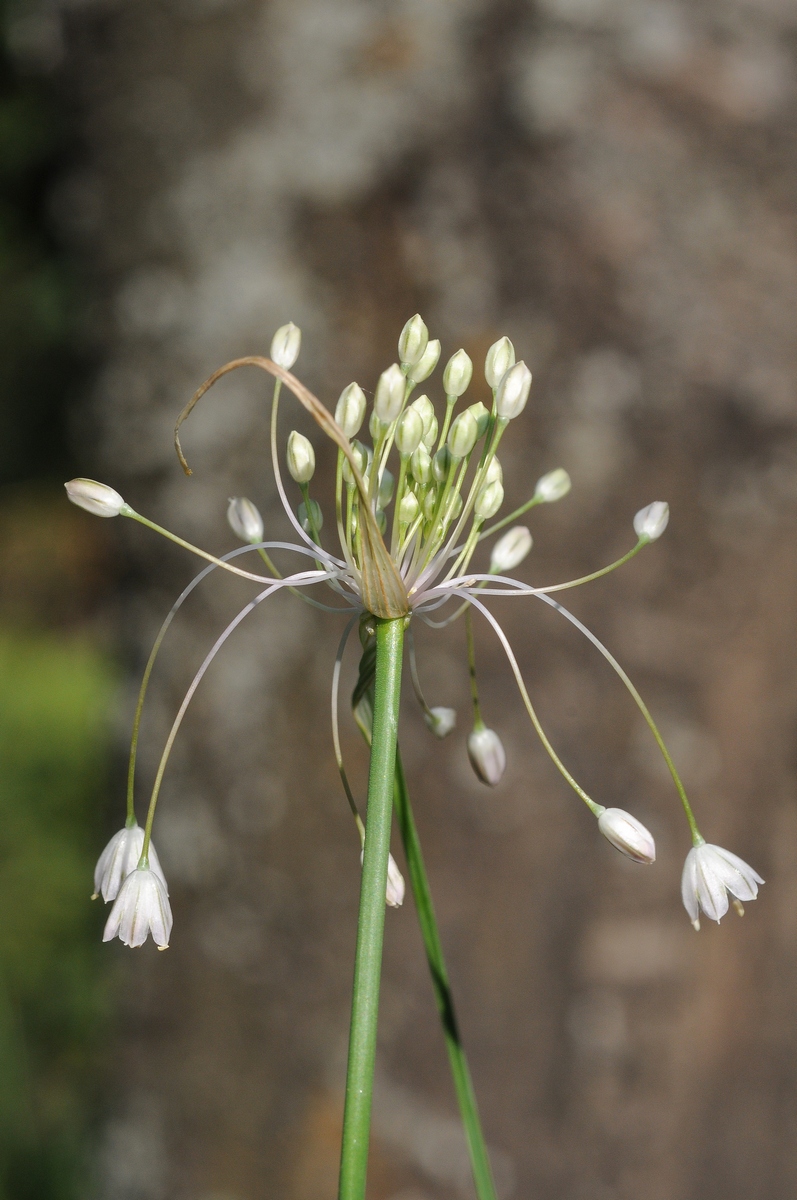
(610, 182)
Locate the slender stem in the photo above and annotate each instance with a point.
(478, 723)
(513, 516)
(370, 928)
(480, 1162)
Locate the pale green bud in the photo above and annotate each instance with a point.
(494, 471)
(376, 428)
(424, 406)
(489, 500)
(462, 435)
(285, 345)
(315, 513)
(481, 415)
(553, 486)
(408, 509)
(381, 520)
(386, 485)
(458, 373)
(513, 391)
(421, 465)
(300, 457)
(423, 368)
(500, 357)
(651, 522)
(510, 550)
(453, 506)
(409, 431)
(441, 721)
(413, 341)
(360, 455)
(96, 498)
(244, 520)
(429, 504)
(350, 409)
(389, 394)
(430, 437)
(441, 464)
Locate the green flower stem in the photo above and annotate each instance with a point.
(480, 1163)
(478, 723)
(370, 929)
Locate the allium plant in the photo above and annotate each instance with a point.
(406, 539)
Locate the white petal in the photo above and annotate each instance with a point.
(689, 886)
(141, 907)
(740, 875)
(711, 893)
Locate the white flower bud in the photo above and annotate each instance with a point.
(315, 513)
(430, 503)
(500, 357)
(513, 391)
(421, 465)
(489, 500)
(409, 431)
(510, 550)
(118, 859)
(389, 394)
(285, 345)
(96, 498)
(441, 464)
(350, 409)
(453, 506)
(360, 456)
(709, 874)
(300, 457)
(413, 340)
(462, 435)
(394, 891)
(386, 485)
(458, 374)
(430, 436)
(244, 520)
(651, 522)
(425, 408)
(553, 486)
(376, 428)
(481, 415)
(487, 755)
(423, 368)
(441, 721)
(408, 509)
(141, 907)
(494, 471)
(627, 834)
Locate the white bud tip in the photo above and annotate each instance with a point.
(413, 340)
(441, 721)
(458, 374)
(500, 357)
(96, 498)
(389, 396)
(650, 522)
(628, 835)
(244, 519)
(285, 345)
(510, 550)
(553, 486)
(487, 755)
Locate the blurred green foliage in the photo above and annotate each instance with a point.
(53, 754)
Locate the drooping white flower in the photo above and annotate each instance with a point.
(487, 755)
(710, 873)
(627, 834)
(142, 907)
(440, 720)
(118, 859)
(96, 498)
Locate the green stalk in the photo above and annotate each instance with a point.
(480, 1162)
(370, 928)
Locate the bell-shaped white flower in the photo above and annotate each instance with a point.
(627, 834)
(487, 755)
(440, 720)
(510, 550)
(141, 907)
(413, 340)
(710, 873)
(96, 498)
(118, 859)
(244, 520)
(651, 521)
(553, 486)
(395, 889)
(285, 345)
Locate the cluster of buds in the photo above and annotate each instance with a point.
(406, 540)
